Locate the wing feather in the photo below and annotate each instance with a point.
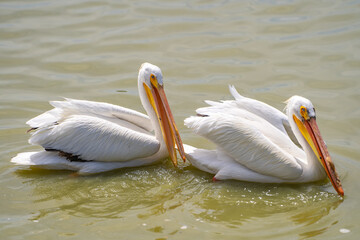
(92, 138)
(94, 131)
(237, 107)
(251, 141)
(82, 107)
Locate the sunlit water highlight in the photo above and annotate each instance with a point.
(92, 50)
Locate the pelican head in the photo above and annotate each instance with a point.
(302, 111)
(150, 74)
(151, 79)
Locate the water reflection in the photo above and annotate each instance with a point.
(107, 195)
(238, 202)
(161, 189)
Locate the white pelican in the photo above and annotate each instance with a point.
(92, 137)
(257, 143)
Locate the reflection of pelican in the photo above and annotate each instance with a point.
(94, 137)
(255, 142)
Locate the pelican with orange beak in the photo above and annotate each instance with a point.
(91, 137)
(258, 143)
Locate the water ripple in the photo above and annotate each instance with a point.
(269, 50)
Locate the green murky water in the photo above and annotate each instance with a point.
(92, 50)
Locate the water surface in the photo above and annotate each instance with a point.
(270, 50)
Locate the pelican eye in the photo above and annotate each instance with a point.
(153, 80)
(304, 113)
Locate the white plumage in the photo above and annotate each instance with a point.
(93, 137)
(258, 143)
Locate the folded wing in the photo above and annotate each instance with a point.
(241, 129)
(94, 131)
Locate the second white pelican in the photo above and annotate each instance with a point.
(91, 137)
(258, 143)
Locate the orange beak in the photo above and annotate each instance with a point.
(324, 155)
(311, 133)
(169, 130)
